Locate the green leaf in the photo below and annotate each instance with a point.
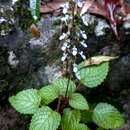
(61, 86)
(93, 76)
(86, 116)
(48, 94)
(70, 119)
(82, 127)
(100, 128)
(35, 8)
(45, 119)
(26, 102)
(107, 116)
(77, 101)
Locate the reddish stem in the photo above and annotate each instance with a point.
(58, 105)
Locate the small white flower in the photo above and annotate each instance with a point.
(14, 1)
(35, 17)
(77, 74)
(79, 3)
(82, 55)
(83, 44)
(68, 33)
(65, 45)
(75, 69)
(62, 36)
(65, 10)
(68, 40)
(63, 48)
(74, 51)
(83, 34)
(65, 18)
(65, 7)
(63, 58)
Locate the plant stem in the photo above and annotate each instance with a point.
(67, 87)
(59, 103)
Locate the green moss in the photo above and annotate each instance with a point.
(7, 25)
(54, 54)
(23, 14)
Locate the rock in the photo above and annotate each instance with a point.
(12, 59)
(119, 76)
(29, 58)
(12, 120)
(47, 29)
(119, 83)
(125, 100)
(6, 19)
(5, 2)
(101, 26)
(53, 72)
(88, 19)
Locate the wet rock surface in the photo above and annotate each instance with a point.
(25, 63)
(11, 120)
(119, 84)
